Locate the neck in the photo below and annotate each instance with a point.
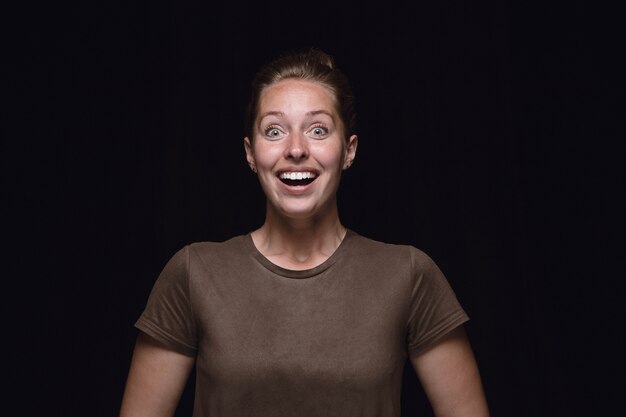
(299, 243)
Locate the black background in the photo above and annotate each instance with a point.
(491, 136)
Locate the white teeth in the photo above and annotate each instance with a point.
(296, 175)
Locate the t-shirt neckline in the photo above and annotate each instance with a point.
(299, 274)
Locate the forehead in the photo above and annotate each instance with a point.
(294, 95)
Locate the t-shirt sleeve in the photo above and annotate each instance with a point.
(435, 309)
(168, 315)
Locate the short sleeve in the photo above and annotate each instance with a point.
(168, 315)
(434, 309)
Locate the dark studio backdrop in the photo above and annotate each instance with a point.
(491, 137)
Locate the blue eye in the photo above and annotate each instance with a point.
(319, 131)
(272, 132)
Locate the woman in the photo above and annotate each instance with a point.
(301, 317)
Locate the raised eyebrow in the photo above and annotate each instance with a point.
(271, 113)
(316, 112)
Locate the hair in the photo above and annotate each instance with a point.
(311, 65)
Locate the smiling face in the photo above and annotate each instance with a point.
(298, 149)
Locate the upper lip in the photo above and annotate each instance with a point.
(297, 169)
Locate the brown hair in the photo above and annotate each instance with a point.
(311, 65)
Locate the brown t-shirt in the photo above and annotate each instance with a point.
(328, 341)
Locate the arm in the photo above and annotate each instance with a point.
(156, 380)
(450, 378)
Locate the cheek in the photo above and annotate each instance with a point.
(334, 155)
(265, 156)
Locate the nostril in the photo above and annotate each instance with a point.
(296, 152)
(296, 147)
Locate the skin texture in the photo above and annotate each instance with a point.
(450, 378)
(298, 129)
(156, 380)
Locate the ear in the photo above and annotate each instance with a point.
(249, 153)
(350, 151)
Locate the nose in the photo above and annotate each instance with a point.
(296, 147)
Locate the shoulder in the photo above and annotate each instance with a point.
(201, 257)
(395, 258)
(204, 249)
(391, 251)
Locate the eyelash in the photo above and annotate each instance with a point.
(319, 126)
(269, 128)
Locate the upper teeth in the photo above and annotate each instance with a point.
(296, 175)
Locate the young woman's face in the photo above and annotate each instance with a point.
(298, 149)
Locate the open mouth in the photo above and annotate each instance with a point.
(295, 179)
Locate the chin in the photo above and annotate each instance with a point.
(302, 211)
(298, 213)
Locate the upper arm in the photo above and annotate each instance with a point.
(449, 375)
(156, 379)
